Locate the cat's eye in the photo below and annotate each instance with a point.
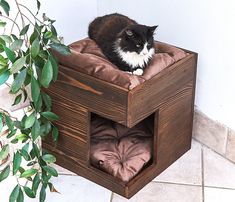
(138, 45)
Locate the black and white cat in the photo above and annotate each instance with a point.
(127, 44)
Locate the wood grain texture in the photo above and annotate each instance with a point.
(147, 97)
(73, 130)
(105, 99)
(169, 96)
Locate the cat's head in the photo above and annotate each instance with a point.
(137, 38)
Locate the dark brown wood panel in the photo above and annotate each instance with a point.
(73, 128)
(146, 98)
(173, 136)
(89, 172)
(98, 96)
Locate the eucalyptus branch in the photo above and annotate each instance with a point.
(36, 19)
(18, 7)
(21, 61)
(15, 21)
(6, 17)
(22, 19)
(30, 21)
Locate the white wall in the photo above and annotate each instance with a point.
(204, 26)
(72, 17)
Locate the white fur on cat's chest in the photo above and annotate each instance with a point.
(134, 59)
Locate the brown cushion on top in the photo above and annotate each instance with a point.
(87, 57)
(119, 150)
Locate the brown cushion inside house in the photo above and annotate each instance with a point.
(86, 57)
(119, 150)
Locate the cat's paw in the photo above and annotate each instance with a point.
(129, 72)
(138, 72)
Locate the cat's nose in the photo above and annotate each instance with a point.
(145, 52)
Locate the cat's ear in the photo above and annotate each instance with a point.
(129, 32)
(152, 29)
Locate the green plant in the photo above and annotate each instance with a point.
(25, 58)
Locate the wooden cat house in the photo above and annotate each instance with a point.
(89, 86)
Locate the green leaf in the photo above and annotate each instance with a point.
(21, 137)
(9, 122)
(50, 170)
(42, 196)
(35, 90)
(18, 81)
(36, 182)
(3, 61)
(2, 24)
(54, 32)
(17, 99)
(55, 67)
(6, 38)
(29, 192)
(35, 130)
(35, 48)
(14, 193)
(16, 162)
(50, 116)
(38, 104)
(48, 35)
(20, 196)
(17, 65)
(5, 6)
(61, 48)
(26, 147)
(25, 154)
(16, 45)
(10, 54)
(55, 133)
(4, 152)
(45, 129)
(12, 133)
(33, 36)
(47, 100)
(47, 74)
(24, 30)
(4, 76)
(48, 158)
(30, 120)
(1, 122)
(38, 6)
(28, 173)
(5, 173)
(36, 150)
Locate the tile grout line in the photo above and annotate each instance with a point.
(202, 170)
(226, 188)
(214, 151)
(193, 185)
(111, 198)
(226, 143)
(177, 183)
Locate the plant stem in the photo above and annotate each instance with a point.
(14, 21)
(36, 19)
(3, 16)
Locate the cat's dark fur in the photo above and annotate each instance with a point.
(123, 41)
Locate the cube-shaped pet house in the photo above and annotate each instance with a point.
(120, 130)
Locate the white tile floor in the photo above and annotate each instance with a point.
(200, 175)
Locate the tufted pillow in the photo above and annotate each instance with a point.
(119, 150)
(87, 58)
